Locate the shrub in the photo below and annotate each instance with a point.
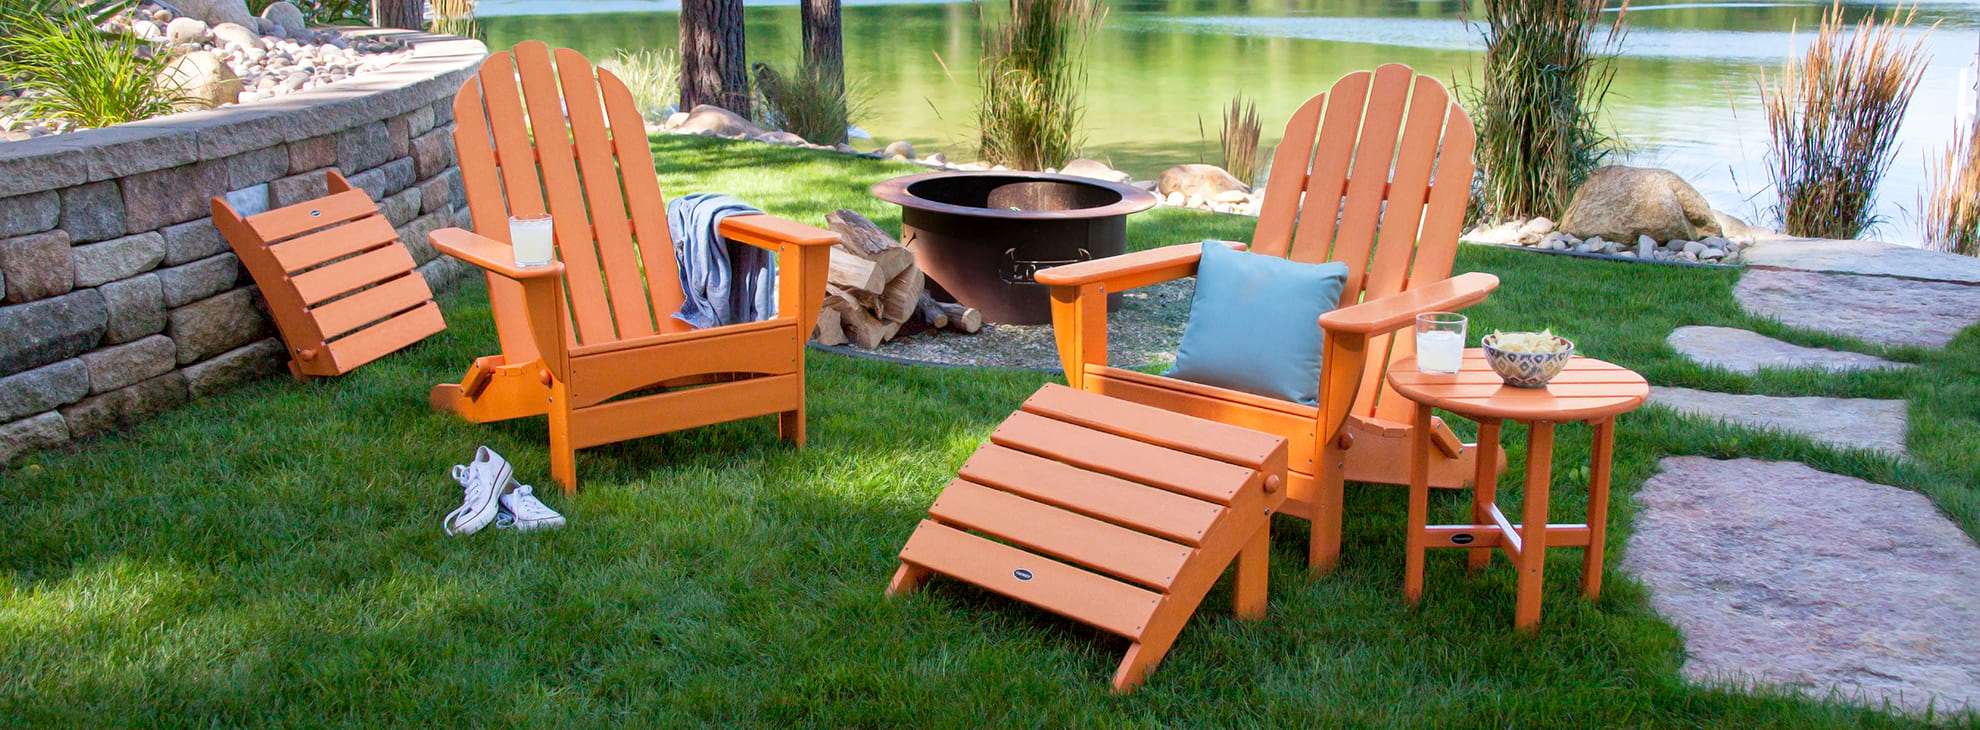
(654, 77)
(74, 73)
(1832, 118)
(324, 12)
(1949, 207)
(1032, 75)
(1240, 138)
(1544, 79)
(808, 104)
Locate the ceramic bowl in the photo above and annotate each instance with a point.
(1527, 369)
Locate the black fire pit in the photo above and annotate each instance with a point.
(979, 236)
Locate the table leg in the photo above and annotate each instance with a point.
(1484, 485)
(1598, 508)
(1533, 524)
(1419, 504)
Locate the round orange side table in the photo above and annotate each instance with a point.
(1587, 390)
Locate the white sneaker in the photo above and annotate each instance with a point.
(522, 511)
(482, 483)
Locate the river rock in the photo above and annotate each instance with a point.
(285, 14)
(712, 120)
(1620, 203)
(239, 35)
(898, 148)
(187, 30)
(215, 12)
(205, 77)
(1095, 169)
(1197, 180)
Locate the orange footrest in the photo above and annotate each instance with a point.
(1109, 513)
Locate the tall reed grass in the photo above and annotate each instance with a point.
(653, 77)
(1033, 76)
(1239, 138)
(1545, 76)
(72, 72)
(1949, 206)
(454, 17)
(1832, 121)
(812, 103)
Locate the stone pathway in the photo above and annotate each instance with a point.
(1781, 574)
(1874, 258)
(1862, 423)
(1880, 309)
(1744, 351)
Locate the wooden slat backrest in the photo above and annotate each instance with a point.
(1375, 174)
(546, 132)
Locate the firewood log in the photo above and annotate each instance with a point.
(961, 318)
(860, 236)
(931, 311)
(901, 295)
(856, 274)
(831, 329)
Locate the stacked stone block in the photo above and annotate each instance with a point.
(120, 300)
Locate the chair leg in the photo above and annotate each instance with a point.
(907, 579)
(790, 426)
(1324, 550)
(563, 458)
(1253, 574)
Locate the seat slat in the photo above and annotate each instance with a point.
(1122, 457)
(397, 295)
(603, 195)
(330, 244)
(1201, 437)
(1166, 514)
(1103, 602)
(386, 337)
(329, 210)
(1083, 541)
(351, 274)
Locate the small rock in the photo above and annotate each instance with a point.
(1645, 247)
(1590, 246)
(1712, 254)
(205, 78)
(781, 137)
(1547, 240)
(899, 147)
(187, 30)
(1176, 199)
(1719, 242)
(1231, 196)
(215, 12)
(1688, 256)
(1094, 169)
(1694, 248)
(146, 30)
(1539, 226)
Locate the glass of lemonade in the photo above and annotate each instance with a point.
(531, 237)
(1440, 342)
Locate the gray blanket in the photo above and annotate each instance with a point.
(722, 282)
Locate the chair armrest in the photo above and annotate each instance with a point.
(1396, 311)
(773, 233)
(1130, 270)
(489, 254)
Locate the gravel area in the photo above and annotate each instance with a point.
(1143, 332)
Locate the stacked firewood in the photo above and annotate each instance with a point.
(874, 292)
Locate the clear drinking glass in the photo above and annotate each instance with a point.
(1440, 342)
(531, 237)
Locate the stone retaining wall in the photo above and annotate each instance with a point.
(121, 300)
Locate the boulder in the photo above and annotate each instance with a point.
(239, 35)
(780, 137)
(899, 147)
(709, 119)
(187, 30)
(1095, 169)
(204, 78)
(1197, 180)
(285, 14)
(215, 12)
(1621, 203)
(1732, 227)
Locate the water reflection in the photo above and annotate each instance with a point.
(1685, 93)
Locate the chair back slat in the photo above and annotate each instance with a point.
(643, 198)
(1375, 174)
(631, 308)
(481, 180)
(567, 140)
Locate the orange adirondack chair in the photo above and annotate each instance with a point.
(1345, 188)
(598, 324)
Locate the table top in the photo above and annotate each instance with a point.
(1586, 389)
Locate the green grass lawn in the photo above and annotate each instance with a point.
(274, 555)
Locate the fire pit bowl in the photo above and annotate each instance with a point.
(979, 236)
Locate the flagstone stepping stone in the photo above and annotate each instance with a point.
(1864, 423)
(1779, 574)
(1862, 257)
(1744, 351)
(1878, 309)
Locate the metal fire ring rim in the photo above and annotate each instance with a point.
(1133, 199)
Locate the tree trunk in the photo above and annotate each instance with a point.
(713, 64)
(406, 14)
(824, 52)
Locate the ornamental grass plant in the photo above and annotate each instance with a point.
(1239, 138)
(653, 76)
(808, 103)
(1033, 76)
(1545, 75)
(1949, 205)
(75, 74)
(1832, 120)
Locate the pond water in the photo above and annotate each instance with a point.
(1685, 95)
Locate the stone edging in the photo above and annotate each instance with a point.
(66, 160)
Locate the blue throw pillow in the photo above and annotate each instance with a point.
(1254, 323)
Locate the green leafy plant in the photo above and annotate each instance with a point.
(807, 103)
(653, 76)
(1033, 75)
(1949, 206)
(325, 12)
(1544, 79)
(1832, 119)
(74, 73)
(1240, 138)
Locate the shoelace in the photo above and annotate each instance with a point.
(464, 477)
